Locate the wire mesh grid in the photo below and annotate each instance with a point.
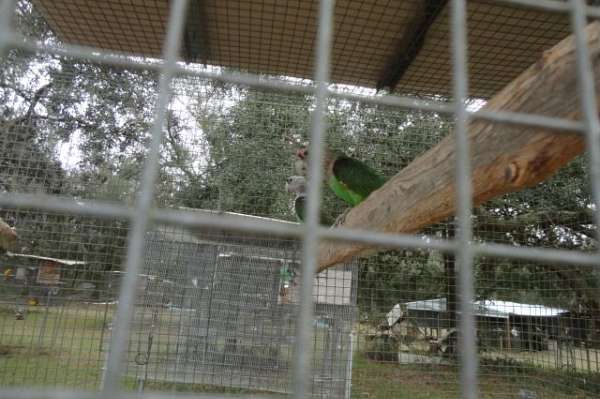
(215, 301)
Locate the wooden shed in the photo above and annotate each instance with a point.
(36, 277)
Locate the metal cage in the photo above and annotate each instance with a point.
(175, 298)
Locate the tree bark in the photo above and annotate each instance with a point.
(504, 157)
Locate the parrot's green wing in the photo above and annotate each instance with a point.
(300, 209)
(353, 180)
(342, 191)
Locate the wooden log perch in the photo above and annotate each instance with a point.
(8, 236)
(504, 157)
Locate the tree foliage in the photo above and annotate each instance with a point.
(230, 148)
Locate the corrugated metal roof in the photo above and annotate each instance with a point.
(377, 43)
(433, 305)
(483, 308)
(519, 309)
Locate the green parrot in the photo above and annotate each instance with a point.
(297, 185)
(350, 179)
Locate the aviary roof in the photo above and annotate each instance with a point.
(397, 44)
(490, 308)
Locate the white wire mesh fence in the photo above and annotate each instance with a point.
(154, 252)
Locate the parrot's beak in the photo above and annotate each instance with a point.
(301, 153)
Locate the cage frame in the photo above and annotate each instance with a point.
(142, 214)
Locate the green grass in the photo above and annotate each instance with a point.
(69, 355)
(163, 386)
(386, 381)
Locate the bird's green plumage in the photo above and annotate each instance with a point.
(353, 181)
(300, 209)
(342, 192)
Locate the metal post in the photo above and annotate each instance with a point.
(141, 216)
(45, 320)
(465, 250)
(302, 347)
(348, 389)
(464, 253)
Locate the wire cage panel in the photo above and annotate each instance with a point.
(148, 234)
(216, 313)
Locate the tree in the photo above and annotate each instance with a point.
(230, 148)
(47, 100)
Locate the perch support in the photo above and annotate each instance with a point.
(505, 157)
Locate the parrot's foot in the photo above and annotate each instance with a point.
(341, 218)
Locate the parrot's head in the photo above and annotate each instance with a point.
(296, 184)
(302, 153)
(301, 160)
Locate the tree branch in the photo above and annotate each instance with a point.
(177, 151)
(80, 122)
(504, 157)
(37, 96)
